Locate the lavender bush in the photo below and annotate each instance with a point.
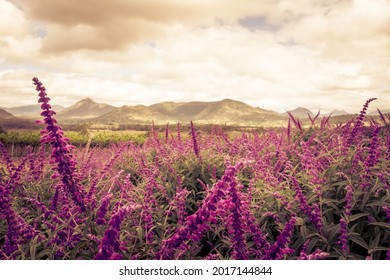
(318, 192)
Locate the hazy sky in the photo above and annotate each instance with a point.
(275, 54)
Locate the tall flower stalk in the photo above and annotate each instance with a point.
(61, 149)
(194, 140)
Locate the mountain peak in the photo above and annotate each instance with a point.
(85, 108)
(6, 115)
(86, 100)
(300, 112)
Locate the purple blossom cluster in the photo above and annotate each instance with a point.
(374, 152)
(197, 223)
(18, 231)
(194, 140)
(110, 245)
(348, 200)
(102, 211)
(343, 241)
(359, 122)
(235, 222)
(61, 149)
(280, 248)
(312, 212)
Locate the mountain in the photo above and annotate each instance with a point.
(300, 112)
(6, 115)
(226, 111)
(134, 114)
(85, 109)
(8, 121)
(219, 112)
(383, 111)
(30, 110)
(338, 113)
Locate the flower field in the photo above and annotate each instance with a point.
(318, 192)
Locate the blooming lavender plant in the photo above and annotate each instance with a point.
(348, 200)
(235, 223)
(61, 149)
(279, 249)
(194, 140)
(18, 231)
(359, 121)
(110, 245)
(344, 236)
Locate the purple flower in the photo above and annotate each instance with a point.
(178, 132)
(343, 241)
(197, 223)
(18, 231)
(312, 212)
(179, 203)
(61, 154)
(110, 244)
(374, 152)
(279, 248)
(235, 222)
(102, 211)
(194, 141)
(359, 122)
(348, 200)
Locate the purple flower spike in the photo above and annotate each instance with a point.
(279, 248)
(236, 227)
(348, 200)
(359, 121)
(195, 143)
(110, 245)
(61, 154)
(344, 236)
(102, 211)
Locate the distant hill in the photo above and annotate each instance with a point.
(134, 114)
(8, 121)
(85, 109)
(6, 115)
(226, 111)
(383, 111)
(30, 110)
(300, 112)
(337, 113)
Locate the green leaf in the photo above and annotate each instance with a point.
(358, 240)
(46, 252)
(374, 243)
(357, 216)
(76, 249)
(366, 197)
(380, 224)
(33, 248)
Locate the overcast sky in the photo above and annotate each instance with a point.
(275, 54)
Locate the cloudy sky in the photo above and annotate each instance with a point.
(275, 54)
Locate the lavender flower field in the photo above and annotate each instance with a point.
(294, 192)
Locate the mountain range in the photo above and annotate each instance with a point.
(29, 110)
(226, 111)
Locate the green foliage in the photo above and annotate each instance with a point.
(281, 176)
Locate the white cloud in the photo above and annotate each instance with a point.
(316, 53)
